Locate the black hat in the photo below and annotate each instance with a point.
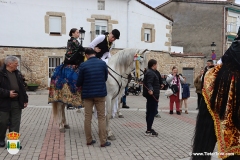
(89, 51)
(116, 33)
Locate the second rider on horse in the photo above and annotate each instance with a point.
(102, 44)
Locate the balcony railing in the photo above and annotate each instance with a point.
(233, 28)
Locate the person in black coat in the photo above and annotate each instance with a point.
(13, 97)
(151, 91)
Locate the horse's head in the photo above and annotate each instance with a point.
(125, 61)
(140, 63)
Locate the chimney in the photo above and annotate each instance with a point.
(232, 1)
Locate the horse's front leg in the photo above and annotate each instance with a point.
(60, 117)
(64, 121)
(109, 104)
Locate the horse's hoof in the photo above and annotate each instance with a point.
(120, 116)
(62, 130)
(66, 126)
(112, 137)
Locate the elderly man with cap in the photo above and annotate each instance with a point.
(102, 44)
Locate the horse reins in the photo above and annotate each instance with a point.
(152, 94)
(119, 86)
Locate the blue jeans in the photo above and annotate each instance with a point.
(151, 108)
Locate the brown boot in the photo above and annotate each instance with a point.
(186, 112)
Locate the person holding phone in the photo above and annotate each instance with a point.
(174, 80)
(13, 97)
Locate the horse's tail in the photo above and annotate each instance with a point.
(204, 139)
(55, 110)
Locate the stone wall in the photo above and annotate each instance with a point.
(166, 61)
(37, 60)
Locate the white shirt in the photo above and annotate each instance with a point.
(219, 61)
(95, 42)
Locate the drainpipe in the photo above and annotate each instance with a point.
(127, 22)
(224, 29)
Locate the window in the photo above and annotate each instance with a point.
(53, 62)
(55, 25)
(101, 5)
(228, 44)
(100, 27)
(232, 24)
(147, 35)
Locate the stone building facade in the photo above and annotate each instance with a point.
(198, 23)
(38, 60)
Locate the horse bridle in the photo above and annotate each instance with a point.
(119, 85)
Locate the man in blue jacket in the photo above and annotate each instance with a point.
(92, 79)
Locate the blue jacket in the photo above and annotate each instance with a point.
(186, 91)
(92, 78)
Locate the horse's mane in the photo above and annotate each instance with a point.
(123, 59)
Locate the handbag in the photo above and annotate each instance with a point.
(168, 92)
(174, 88)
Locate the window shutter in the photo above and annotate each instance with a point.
(55, 24)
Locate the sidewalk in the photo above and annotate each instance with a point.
(41, 139)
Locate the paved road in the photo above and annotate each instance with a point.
(41, 139)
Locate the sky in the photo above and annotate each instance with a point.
(155, 3)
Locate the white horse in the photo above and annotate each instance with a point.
(121, 64)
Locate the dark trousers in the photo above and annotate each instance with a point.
(199, 95)
(124, 97)
(124, 100)
(13, 116)
(151, 108)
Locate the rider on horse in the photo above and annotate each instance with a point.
(63, 82)
(102, 44)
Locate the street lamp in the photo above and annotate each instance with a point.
(82, 34)
(213, 47)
